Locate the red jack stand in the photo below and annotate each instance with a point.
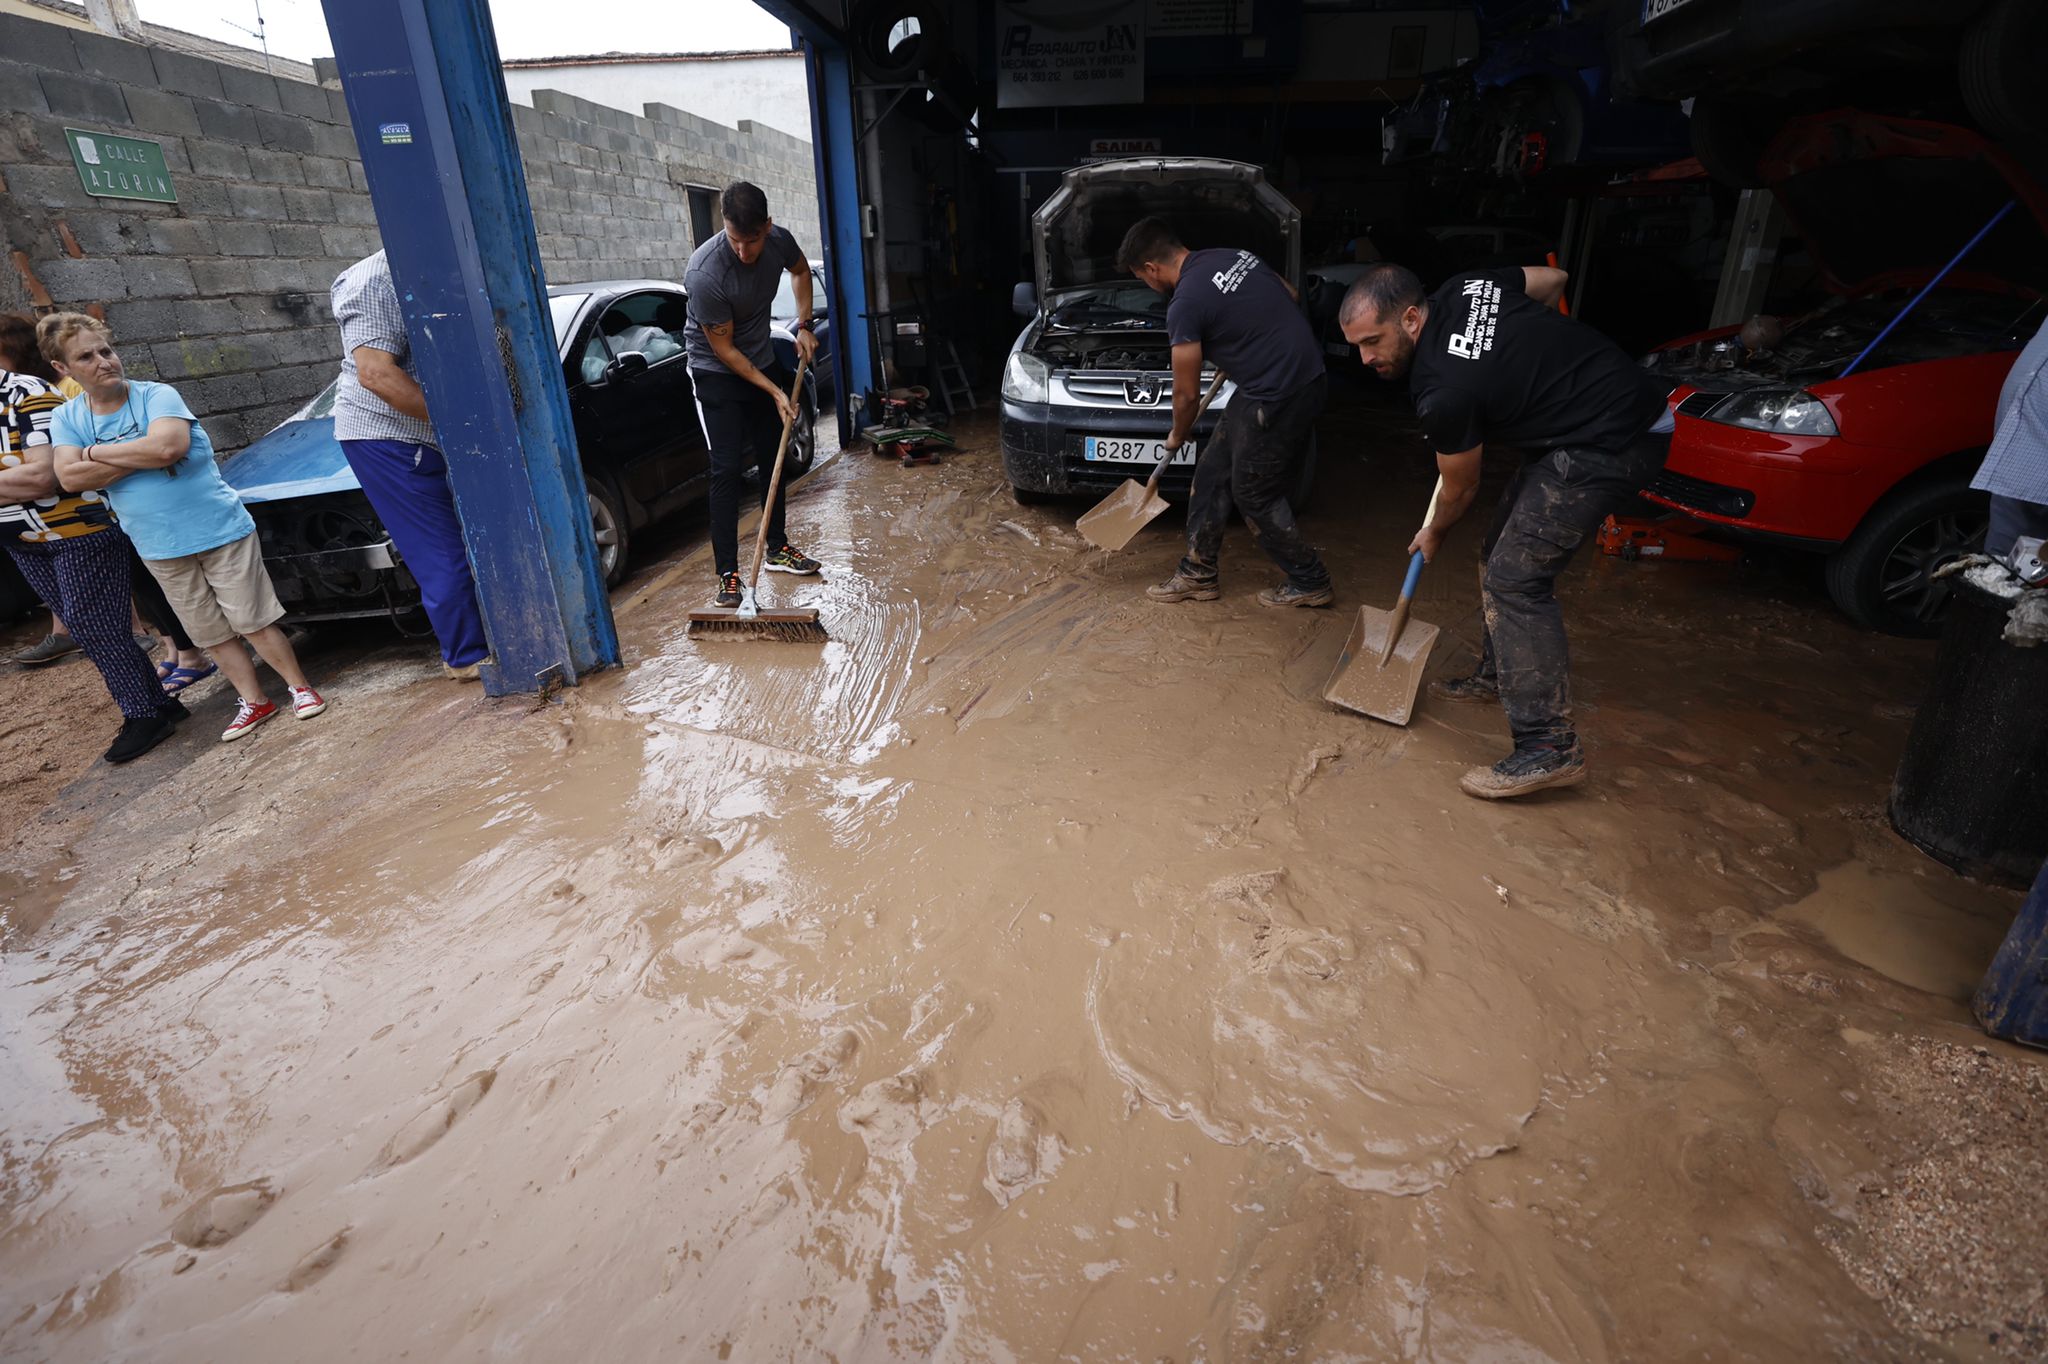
(1666, 537)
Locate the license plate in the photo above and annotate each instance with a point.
(1657, 9)
(1118, 450)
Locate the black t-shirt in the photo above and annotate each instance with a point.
(1494, 366)
(1248, 324)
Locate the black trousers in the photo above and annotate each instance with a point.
(742, 429)
(1249, 464)
(1547, 512)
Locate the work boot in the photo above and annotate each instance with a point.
(728, 591)
(1534, 767)
(1182, 587)
(137, 737)
(1478, 687)
(789, 559)
(1287, 594)
(49, 650)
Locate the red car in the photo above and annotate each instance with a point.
(1804, 439)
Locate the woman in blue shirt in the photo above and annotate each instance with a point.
(140, 444)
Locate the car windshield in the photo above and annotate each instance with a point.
(1133, 306)
(562, 310)
(321, 404)
(784, 306)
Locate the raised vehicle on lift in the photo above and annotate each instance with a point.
(1815, 433)
(635, 415)
(1087, 394)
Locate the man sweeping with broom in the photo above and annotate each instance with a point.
(746, 402)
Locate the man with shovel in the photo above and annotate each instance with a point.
(1491, 361)
(1228, 309)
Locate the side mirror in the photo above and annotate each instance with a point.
(630, 363)
(1024, 300)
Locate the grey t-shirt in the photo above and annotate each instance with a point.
(723, 290)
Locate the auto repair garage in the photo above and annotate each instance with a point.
(1148, 912)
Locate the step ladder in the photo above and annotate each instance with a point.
(952, 377)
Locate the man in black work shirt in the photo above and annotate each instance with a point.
(1491, 362)
(1231, 311)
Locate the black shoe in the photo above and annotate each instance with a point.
(789, 559)
(728, 590)
(1537, 767)
(1477, 687)
(174, 711)
(137, 737)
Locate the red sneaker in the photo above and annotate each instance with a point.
(307, 703)
(247, 717)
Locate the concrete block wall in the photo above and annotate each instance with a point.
(225, 293)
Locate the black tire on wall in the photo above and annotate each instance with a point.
(869, 33)
(1882, 577)
(2000, 71)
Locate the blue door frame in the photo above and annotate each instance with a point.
(425, 93)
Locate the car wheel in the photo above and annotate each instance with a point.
(1729, 135)
(2000, 63)
(608, 528)
(803, 440)
(1883, 578)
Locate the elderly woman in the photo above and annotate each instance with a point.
(182, 664)
(76, 559)
(141, 446)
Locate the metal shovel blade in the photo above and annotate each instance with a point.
(1359, 683)
(1116, 520)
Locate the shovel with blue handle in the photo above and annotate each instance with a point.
(1380, 670)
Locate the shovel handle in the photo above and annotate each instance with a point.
(1414, 575)
(1215, 386)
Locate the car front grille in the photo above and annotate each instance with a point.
(1699, 404)
(1699, 495)
(1109, 388)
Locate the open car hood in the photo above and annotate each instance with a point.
(1075, 233)
(1881, 199)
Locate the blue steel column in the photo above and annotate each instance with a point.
(427, 100)
(830, 72)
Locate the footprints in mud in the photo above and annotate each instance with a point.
(314, 1264)
(796, 1084)
(1021, 1153)
(223, 1214)
(887, 1115)
(433, 1123)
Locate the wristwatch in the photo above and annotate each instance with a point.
(805, 324)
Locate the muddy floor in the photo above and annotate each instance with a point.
(1031, 973)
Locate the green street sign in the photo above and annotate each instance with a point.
(120, 167)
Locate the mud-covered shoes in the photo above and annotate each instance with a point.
(1287, 594)
(1476, 688)
(248, 715)
(728, 591)
(789, 559)
(1537, 767)
(1184, 587)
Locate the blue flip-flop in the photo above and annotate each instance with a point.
(177, 679)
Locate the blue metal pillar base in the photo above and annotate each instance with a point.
(427, 99)
(2013, 1000)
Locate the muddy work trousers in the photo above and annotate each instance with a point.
(1547, 512)
(1249, 464)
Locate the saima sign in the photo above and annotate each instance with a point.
(1065, 52)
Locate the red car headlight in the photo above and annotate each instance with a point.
(1787, 411)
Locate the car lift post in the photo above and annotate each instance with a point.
(427, 99)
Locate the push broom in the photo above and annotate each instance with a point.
(792, 625)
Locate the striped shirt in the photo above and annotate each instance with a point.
(26, 406)
(2016, 465)
(366, 306)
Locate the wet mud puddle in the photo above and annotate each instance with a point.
(1029, 973)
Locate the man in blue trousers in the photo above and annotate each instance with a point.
(380, 418)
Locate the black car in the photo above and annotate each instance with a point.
(634, 411)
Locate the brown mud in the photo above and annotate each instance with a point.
(1032, 972)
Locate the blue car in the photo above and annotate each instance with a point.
(634, 410)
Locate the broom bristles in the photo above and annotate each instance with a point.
(761, 627)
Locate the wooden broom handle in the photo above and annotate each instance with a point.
(775, 479)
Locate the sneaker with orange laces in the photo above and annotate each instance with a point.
(248, 715)
(307, 703)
